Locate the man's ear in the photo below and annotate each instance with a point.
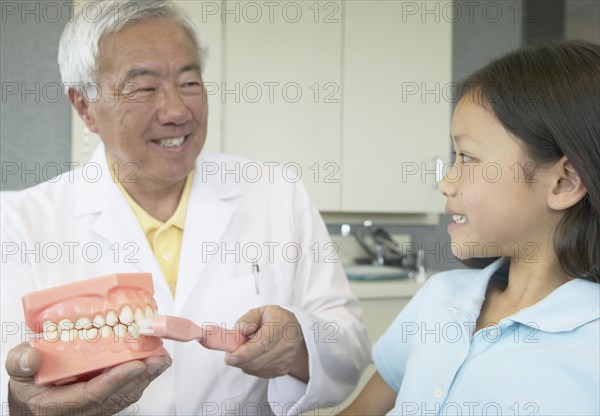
(566, 189)
(82, 106)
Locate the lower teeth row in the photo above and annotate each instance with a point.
(92, 334)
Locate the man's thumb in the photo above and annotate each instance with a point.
(23, 361)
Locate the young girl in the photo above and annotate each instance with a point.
(522, 336)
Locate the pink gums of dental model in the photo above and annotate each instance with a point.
(81, 357)
(180, 329)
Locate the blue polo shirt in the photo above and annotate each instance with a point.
(543, 360)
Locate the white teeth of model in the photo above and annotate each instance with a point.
(50, 326)
(126, 315)
(51, 336)
(66, 325)
(68, 335)
(133, 331)
(83, 323)
(89, 335)
(148, 312)
(105, 331)
(120, 330)
(172, 142)
(138, 315)
(98, 321)
(459, 219)
(111, 318)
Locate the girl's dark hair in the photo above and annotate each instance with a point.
(549, 97)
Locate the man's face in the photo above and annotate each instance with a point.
(153, 110)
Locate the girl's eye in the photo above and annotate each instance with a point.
(461, 158)
(465, 158)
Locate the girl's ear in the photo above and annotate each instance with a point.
(567, 188)
(82, 106)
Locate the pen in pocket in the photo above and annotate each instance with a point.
(255, 270)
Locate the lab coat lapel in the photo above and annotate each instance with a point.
(209, 212)
(116, 223)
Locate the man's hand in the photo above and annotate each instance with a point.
(275, 347)
(105, 394)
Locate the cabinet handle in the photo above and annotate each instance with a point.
(439, 170)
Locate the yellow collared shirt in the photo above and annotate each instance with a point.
(164, 238)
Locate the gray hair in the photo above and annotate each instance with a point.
(79, 46)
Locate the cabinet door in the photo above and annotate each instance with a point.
(281, 90)
(397, 103)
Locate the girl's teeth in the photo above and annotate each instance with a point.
(172, 142)
(459, 219)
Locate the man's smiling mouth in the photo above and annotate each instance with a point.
(171, 141)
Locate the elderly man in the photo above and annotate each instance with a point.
(153, 207)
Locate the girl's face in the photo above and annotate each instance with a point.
(497, 209)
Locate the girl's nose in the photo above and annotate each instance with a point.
(447, 185)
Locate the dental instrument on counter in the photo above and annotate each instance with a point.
(174, 328)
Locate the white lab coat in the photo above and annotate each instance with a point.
(79, 226)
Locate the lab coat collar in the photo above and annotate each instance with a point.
(210, 209)
(98, 194)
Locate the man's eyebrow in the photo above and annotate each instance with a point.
(190, 67)
(140, 72)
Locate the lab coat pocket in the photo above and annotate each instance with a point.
(227, 300)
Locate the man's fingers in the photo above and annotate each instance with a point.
(23, 361)
(127, 378)
(258, 345)
(249, 323)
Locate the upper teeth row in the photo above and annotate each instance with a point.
(171, 142)
(460, 219)
(103, 325)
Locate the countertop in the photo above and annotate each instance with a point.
(384, 289)
(387, 289)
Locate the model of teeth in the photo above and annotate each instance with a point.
(171, 142)
(84, 327)
(459, 219)
(100, 327)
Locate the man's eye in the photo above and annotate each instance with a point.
(146, 89)
(190, 84)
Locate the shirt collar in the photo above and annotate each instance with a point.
(178, 218)
(568, 307)
(472, 299)
(148, 222)
(571, 305)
